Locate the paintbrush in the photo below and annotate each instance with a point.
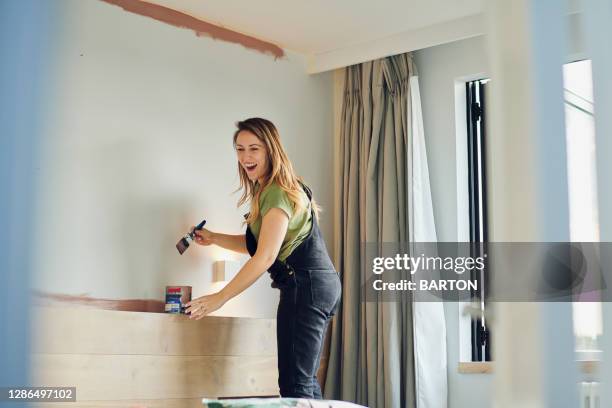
(184, 242)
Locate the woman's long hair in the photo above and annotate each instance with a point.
(280, 169)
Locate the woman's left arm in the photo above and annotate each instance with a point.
(273, 230)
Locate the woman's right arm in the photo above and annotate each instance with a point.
(236, 243)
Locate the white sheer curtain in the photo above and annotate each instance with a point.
(428, 317)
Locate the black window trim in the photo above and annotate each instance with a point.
(476, 147)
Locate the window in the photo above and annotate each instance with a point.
(582, 191)
(582, 186)
(476, 139)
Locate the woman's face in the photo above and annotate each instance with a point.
(252, 155)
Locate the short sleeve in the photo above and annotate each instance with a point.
(275, 197)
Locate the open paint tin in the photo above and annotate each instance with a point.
(176, 298)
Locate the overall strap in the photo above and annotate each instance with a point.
(307, 190)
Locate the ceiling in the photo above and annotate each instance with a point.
(316, 27)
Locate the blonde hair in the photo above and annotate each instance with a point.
(280, 169)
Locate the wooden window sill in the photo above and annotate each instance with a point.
(475, 367)
(486, 367)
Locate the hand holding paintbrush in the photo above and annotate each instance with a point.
(184, 242)
(202, 236)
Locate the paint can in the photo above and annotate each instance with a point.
(176, 298)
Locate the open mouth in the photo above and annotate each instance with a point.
(250, 167)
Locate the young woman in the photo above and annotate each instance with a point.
(283, 237)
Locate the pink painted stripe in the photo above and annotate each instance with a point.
(126, 305)
(201, 28)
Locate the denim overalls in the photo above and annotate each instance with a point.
(309, 296)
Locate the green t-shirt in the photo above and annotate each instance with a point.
(299, 224)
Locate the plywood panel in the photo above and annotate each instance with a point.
(113, 377)
(84, 330)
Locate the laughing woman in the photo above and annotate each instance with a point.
(282, 237)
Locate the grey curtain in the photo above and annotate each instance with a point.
(371, 359)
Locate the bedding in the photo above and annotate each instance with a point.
(276, 403)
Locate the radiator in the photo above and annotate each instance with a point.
(589, 395)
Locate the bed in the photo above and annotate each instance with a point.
(276, 403)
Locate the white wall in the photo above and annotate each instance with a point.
(138, 148)
(439, 67)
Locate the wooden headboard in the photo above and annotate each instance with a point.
(137, 359)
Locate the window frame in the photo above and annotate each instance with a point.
(475, 103)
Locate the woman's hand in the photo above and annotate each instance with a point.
(200, 307)
(203, 236)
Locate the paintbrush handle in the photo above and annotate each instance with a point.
(191, 234)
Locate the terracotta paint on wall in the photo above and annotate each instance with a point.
(201, 28)
(125, 305)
